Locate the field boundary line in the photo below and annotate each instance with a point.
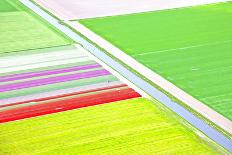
(183, 48)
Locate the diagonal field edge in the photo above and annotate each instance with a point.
(149, 89)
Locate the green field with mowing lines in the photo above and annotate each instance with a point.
(22, 30)
(5, 6)
(127, 127)
(191, 47)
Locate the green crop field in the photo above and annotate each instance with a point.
(5, 6)
(127, 127)
(191, 47)
(22, 30)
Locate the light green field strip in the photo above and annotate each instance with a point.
(41, 51)
(62, 98)
(6, 7)
(22, 30)
(191, 47)
(126, 127)
(57, 86)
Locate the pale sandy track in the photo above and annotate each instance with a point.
(80, 9)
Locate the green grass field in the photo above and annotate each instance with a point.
(127, 127)
(191, 47)
(5, 6)
(22, 30)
